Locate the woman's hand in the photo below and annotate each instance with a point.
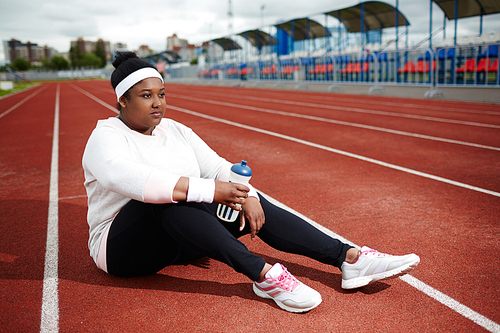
(252, 211)
(230, 194)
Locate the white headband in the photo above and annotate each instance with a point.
(135, 77)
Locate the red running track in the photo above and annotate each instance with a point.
(398, 175)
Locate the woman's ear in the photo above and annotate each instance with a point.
(123, 102)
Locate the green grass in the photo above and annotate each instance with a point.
(17, 87)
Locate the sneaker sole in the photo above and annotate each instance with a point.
(365, 280)
(263, 294)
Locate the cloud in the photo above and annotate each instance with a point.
(57, 22)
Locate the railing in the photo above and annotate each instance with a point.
(465, 65)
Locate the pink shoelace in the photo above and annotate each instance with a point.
(286, 280)
(374, 252)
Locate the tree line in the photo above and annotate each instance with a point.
(95, 59)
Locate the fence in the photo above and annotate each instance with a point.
(35, 75)
(463, 65)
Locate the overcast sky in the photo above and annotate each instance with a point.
(133, 22)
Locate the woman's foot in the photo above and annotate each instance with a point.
(373, 266)
(289, 293)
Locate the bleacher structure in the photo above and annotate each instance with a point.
(454, 62)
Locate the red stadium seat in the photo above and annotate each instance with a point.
(349, 68)
(423, 66)
(469, 66)
(408, 68)
(366, 67)
(492, 66)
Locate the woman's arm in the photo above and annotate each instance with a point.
(225, 193)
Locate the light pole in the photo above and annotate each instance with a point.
(262, 15)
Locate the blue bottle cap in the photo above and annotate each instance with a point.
(242, 169)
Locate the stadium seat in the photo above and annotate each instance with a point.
(469, 66)
(357, 67)
(491, 52)
(492, 66)
(424, 66)
(408, 68)
(349, 68)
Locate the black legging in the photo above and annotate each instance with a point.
(145, 238)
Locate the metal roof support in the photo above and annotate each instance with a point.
(444, 26)
(397, 25)
(481, 21)
(407, 36)
(326, 25)
(340, 30)
(456, 22)
(430, 26)
(293, 35)
(246, 53)
(363, 26)
(307, 35)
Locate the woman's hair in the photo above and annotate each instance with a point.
(125, 64)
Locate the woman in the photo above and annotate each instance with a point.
(153, 187)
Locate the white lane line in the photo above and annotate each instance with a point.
(339, 122)
(337, 151)
(50, 299)
(444, 299)
(327, 98)
(95, 99)
(21, 102)
(412, 281)
(453, 304)
(382, 113)
(73, 197)
(312, 144)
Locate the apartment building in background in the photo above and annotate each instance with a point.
(30, 51)
(86, 46)
(181, 46)
(143, 51)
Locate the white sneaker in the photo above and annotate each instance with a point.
(373, 265)
(288, 292)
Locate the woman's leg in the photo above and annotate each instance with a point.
(144, 238)
(196, 227)
(137, 243)
(289, 233)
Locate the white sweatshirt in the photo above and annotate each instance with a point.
(121, 164)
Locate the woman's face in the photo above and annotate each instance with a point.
(145, 107)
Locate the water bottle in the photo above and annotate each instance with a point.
(240, 173)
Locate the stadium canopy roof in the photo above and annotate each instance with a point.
(377, 15)
(170, 57)
(303, 28)
(258, 38)
(227, 44)
(468, 8)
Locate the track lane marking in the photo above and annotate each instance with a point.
(340, 99)
(359, 110)
(50, 299)
(412, 281)
(338, 122)
(337, 151)
(21, 102)
(435, 294)
(312, 144)
(106, 105)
